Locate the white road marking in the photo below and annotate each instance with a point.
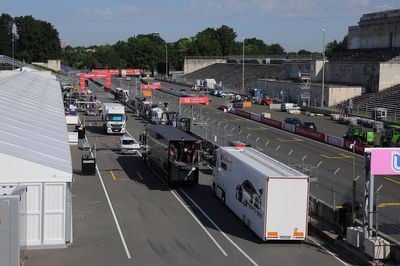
(326, 250)
(128, 254)
(219, 229)
(201, 225)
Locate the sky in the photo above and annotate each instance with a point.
(293, 24)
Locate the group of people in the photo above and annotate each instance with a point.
(186, 152)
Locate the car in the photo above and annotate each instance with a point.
(127, 144)
(128, 78)
(293, 121)
(289, 106)
(309, 126)
(227, 94)
(182, 90)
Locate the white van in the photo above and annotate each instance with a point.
(285, 107)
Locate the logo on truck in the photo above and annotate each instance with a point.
(249, 197)
(396, 161)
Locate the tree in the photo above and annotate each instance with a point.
(335, 47)
(226, 38)
(303, 52)
(207, 44)
(36, 40)
(6, 25)
(255, 46)
(275, 49)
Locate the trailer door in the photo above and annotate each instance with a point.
(287, 203)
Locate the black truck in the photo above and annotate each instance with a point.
(170, 154)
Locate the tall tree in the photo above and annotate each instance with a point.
(6, 24)
(226, 38)
(207, 43)
(37, 40)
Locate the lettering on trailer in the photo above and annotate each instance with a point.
(193, 100)
(385, 161)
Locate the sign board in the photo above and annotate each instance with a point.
(132, 72)
(147, 93)
(385, 161)
(246, 104)
(193, 100)
(113, 72)
(150, 86)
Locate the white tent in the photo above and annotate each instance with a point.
(34, 152)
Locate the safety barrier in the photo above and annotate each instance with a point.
(315, 135)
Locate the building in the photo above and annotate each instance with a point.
(34, 152)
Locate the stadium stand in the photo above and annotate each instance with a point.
(367, 55)
(231, 74)
(388, 98)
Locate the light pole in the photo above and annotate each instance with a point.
(323, 68)
(12, 43)
(243, 68)
(166, 61)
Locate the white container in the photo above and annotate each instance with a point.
(377, 248)
(355, 236)
(270, 197)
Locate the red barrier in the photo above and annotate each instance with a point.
(271, 122)
(243, 113)
(311, 134)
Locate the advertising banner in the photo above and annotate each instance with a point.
(150, 86)
(335, 141)
(385, 161)
(147, 93)
(133, 72)
(193, 100)
(84, 76)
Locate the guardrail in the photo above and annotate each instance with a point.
(314, 135)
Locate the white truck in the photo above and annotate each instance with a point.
(270, 197)
(114, 118)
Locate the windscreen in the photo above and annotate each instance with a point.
(116, 117)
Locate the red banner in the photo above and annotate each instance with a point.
(193, 100)
(133, 72)
(311, 134)
(271, 122)
(151, 86)
(243, 113)
(113, 72)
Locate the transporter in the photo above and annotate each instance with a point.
(170, 153)
(114, 118)
(270, 197)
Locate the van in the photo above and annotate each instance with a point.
(289, 106)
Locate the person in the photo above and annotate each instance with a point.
(197, 151)
(172, 153)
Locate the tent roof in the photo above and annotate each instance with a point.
(32, 124)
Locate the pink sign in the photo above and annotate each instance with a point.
(385, 161)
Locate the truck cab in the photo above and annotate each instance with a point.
(114, 118)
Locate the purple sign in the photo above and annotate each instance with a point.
(385, 161)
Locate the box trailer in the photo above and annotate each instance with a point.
(13, 226)
(270, 197)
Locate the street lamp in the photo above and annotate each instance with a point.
(12, 43)
(243, 68)
(166, 61)
(323, 68)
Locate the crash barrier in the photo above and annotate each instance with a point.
(315, 135)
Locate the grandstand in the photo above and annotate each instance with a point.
(367, 55)
(231, 74)
(388, 98)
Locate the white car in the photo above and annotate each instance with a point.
(227, 94)
(128, 78)
(128, 144)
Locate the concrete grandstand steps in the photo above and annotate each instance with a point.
(231, 74)
(389, 98)
(366, 55)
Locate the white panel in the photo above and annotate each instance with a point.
(54, 214)
(34, 213)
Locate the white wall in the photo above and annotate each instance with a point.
(193, 64)
(389, 75)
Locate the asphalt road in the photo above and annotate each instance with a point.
(334, 190)
(158, 225)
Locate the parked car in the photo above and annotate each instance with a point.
(266, 101)
(293, 121)
(309, 126)
(289, 106)
(227, 94)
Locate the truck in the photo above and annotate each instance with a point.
(168, 153)
(114, 118)
(270, 197)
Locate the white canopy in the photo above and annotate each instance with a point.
(33, 134)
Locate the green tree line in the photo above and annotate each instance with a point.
(37, 40)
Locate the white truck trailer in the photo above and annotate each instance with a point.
(270, 197)
(114, 118)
